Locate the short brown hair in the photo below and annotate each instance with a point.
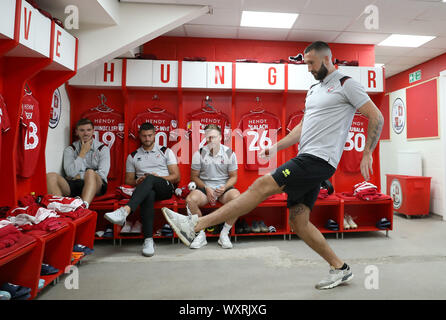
(213, 127)
(319, 47)
(84, 121)
(146, 126)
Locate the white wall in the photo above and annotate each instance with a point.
(59, 137)
(432, 154)
(442, 115)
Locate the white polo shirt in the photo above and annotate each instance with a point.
(214, 169)
(329, 109)
(155, 160)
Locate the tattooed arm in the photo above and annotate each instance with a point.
(376, 122)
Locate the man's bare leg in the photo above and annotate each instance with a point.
(227, 197)
(92, 185)
(300, 223)
(57, 185)
(195, 200)
(260, 190)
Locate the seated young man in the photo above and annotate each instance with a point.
(86, 164)
(214, 170)
(154, 171)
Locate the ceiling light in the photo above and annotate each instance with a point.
(404, 40)
(268, 19)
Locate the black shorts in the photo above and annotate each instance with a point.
(77, 185)
(302, 177)
(204, 191)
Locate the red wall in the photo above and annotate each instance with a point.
(228, 50)
(422, 113)
(421, 98)
(429, 69)
(385, 134)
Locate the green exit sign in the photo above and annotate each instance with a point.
(415, 76)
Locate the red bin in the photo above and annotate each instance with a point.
(410, 194)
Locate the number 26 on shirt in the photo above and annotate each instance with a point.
(256, 143)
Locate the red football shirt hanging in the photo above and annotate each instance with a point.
(258, 130)
(294, 121)
(4, 120)
(29, 141)
(355, 144)
(165, 123)
(209, 117)
(109, 129)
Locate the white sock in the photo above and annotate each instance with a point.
(226, 228)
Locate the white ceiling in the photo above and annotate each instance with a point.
(335, 21)
(91, 12)
(340, 21)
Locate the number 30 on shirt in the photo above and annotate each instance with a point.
(355, 141)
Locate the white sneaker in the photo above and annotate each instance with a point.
(335, 277)
(352, 224)
(127, 227)
(117, 217)
(182, 225)
(346, 225)
(100, 233)
(148, 248)
(137, 227)
(199, 241)
(224, 241)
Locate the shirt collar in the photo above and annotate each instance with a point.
(94, 145)
(219, 151)
(154, 149)
(329, 77)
